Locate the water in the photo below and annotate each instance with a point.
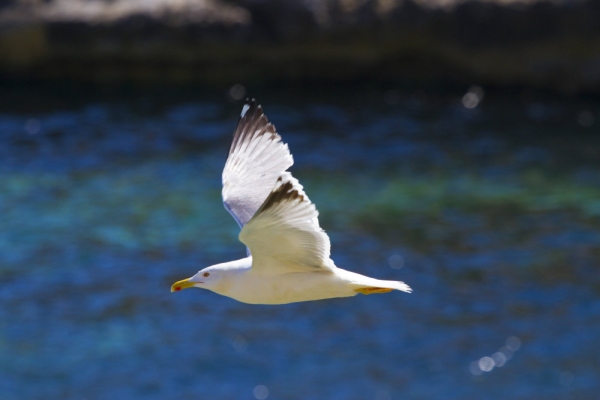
(491, 214)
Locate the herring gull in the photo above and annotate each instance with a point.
(288, 252)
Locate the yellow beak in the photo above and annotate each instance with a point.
(183, 284)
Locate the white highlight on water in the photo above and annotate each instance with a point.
(261, 392)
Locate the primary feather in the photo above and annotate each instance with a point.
(257, 158)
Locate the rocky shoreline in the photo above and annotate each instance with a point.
(498, 43)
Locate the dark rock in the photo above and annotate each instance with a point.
(541, 44)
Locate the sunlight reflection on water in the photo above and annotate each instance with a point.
(498, 359)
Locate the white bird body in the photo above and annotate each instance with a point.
(240, 281)
(288, 251)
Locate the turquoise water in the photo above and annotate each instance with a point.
(491, 214)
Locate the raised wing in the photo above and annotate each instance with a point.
(256, 159)
(284, 234)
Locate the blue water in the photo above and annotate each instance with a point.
(491, 215)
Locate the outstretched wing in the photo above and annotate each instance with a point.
(257, 157)
(284, 234)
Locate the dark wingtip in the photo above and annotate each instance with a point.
(252, 119)
(251, 109)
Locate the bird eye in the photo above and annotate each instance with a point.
(206, 274)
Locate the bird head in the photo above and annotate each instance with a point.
(207, 278)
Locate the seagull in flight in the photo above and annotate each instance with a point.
(288, 253)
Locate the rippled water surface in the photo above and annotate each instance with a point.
(491, 214)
